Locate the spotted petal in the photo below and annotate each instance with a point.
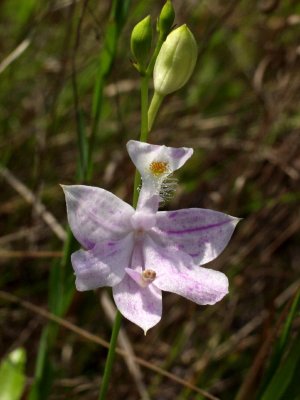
(95, 214)
(104, 264)
(155, 163)
(177, 273)
(142, 306)
(201, 233)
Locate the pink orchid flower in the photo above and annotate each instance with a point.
(142, 252)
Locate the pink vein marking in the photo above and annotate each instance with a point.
(200, 228)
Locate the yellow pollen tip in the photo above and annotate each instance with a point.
(158, 168)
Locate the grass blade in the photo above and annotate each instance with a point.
(284, 375)
(282, 343)
(118, 15)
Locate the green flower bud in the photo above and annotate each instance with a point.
(166, 18)
(141, 40)
(175, 62)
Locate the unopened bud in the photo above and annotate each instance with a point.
(176, 61)
(141, 40)
(166, 18)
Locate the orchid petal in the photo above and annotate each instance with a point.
(141, 305)
(95, 214)
(201, 233)
(177, 273)
(143, 154)
(104, 264)
(155, 163)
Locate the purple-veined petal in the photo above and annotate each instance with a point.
(94, 214)
(155, 163)
(104, 264)
(177, 273)
(141, 305)
(201, 233)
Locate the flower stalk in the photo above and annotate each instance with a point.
(153, 109)
(137, 179)
(144, 132)
(110, 356)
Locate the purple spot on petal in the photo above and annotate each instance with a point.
(173, 214)
(88, 244)
(194, 254)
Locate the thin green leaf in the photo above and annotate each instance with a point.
(44, 371)
(284, 374)
(283, 339)
(281, 343)
(119, 12)
(293, 391)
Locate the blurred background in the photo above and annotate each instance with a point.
(240, 112)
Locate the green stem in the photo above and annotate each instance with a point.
(144, 108)
(144, 132)
(157, 99)
(118, 319)
(153, 109)
(150, 68)
(111, 356)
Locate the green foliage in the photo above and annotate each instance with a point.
(19, 11)
(285, 375)
(286, 356)
(12, 377)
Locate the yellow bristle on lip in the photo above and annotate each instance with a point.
(158, 168)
